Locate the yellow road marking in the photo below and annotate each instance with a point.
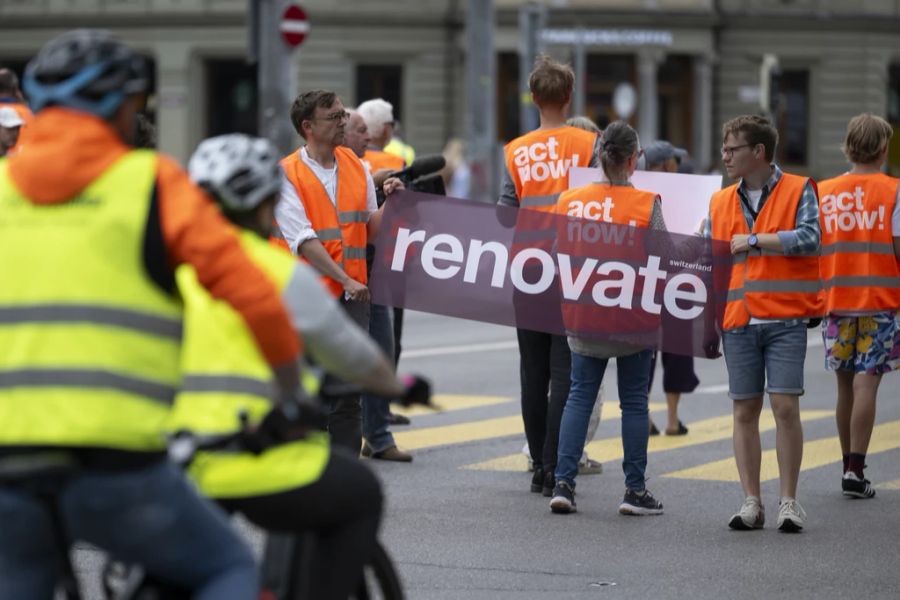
(473, 431)
(448, 402)
(889, 485)
(816, 453)
(608, 449)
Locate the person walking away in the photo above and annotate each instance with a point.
(628, 207)
(859, 214)
(531, 184)
(771, 220)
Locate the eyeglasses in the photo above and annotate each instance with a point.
(334, 117)
(728, 151)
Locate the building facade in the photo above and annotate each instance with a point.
(676, 69)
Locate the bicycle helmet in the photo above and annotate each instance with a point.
(87, 70)
(238, 170)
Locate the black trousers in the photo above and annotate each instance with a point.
(345, 414)
(545, 365)
(342, 509)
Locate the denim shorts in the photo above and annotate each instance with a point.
(765, 357)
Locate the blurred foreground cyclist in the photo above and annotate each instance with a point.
(90, 235)
(295, 481)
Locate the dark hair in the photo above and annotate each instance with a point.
(9, 82)
(756, 130)
(145, 132)
(551, 82)
(305, 105)
(618, 143)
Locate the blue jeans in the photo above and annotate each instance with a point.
(375, 409)
(587, 375)
(150, 516)
(767, 357)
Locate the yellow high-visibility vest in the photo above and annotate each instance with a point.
(90, 344)
(224, 376)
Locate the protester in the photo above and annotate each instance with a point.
(771, 220)
(620, 150)
(544, 359)
(678, 370)
(398, 147)
(379, 441)
(11, 97)
(327, 212)
(861, 334)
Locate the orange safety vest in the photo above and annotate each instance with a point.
(341, 228)
(765, 284)
(622, 212)
(378, 159)
(859, 269)
(539, 163)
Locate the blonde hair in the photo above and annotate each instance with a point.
(551, 82)
(867, 137)
(583, 123)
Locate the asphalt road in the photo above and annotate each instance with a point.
(461, 522)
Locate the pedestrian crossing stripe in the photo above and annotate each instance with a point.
(448, 402)
(610, 449)
(473, 431)
(816, 453)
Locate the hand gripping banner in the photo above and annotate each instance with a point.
(594, 280)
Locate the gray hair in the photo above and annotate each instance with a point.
(376, 113)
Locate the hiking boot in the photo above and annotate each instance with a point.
(751, 516)
(563, 501)
(640, 503)
(549, 483)
(537, 480)
(791, 516)
(854, 487)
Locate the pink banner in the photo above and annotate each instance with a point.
(545, 272)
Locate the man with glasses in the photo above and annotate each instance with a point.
(327, 211)
(771, 220)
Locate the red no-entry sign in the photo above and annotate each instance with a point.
(294, 25)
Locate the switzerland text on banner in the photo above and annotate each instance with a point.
(550, 273)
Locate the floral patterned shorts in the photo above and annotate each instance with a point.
(869, 344)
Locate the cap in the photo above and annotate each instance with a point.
(9, 118)
(658, 152)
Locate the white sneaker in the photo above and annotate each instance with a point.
(791, 516)
(751, 516)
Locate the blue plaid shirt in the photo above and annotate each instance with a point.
(805, 238)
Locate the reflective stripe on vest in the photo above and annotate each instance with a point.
(765, 284)
(859, 269)
(629, 208)
(226, 376)
(90, 343)
(341, 228)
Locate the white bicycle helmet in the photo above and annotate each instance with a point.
(238, 170)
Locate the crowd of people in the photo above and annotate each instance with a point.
(172, 300)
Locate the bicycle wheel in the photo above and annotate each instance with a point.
(380, 579)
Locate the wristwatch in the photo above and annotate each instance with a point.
(753, 241)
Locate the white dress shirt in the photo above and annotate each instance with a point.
(290, 212)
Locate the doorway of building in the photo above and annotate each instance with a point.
(231, 97)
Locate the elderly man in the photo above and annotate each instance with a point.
(327, 213)
(376, 415)
(10, 124)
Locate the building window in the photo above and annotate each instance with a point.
(604, 73)
(792, 117)
(381, 81)
(675, 91)
(231, 100)
(893, 116)
(509, 100)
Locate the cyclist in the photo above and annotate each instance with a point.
(303, 484)
(90, 233)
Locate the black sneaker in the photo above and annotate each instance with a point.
(537, 480)
(855, 487)
(640, 504)
(563, 501)
(549, 483)
(653, 429)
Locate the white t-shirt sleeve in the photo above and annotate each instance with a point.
(895, 217)
(371, 198)
(291, 217)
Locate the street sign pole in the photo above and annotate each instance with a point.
(481, 96)
(276, 81)
(531, 21)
